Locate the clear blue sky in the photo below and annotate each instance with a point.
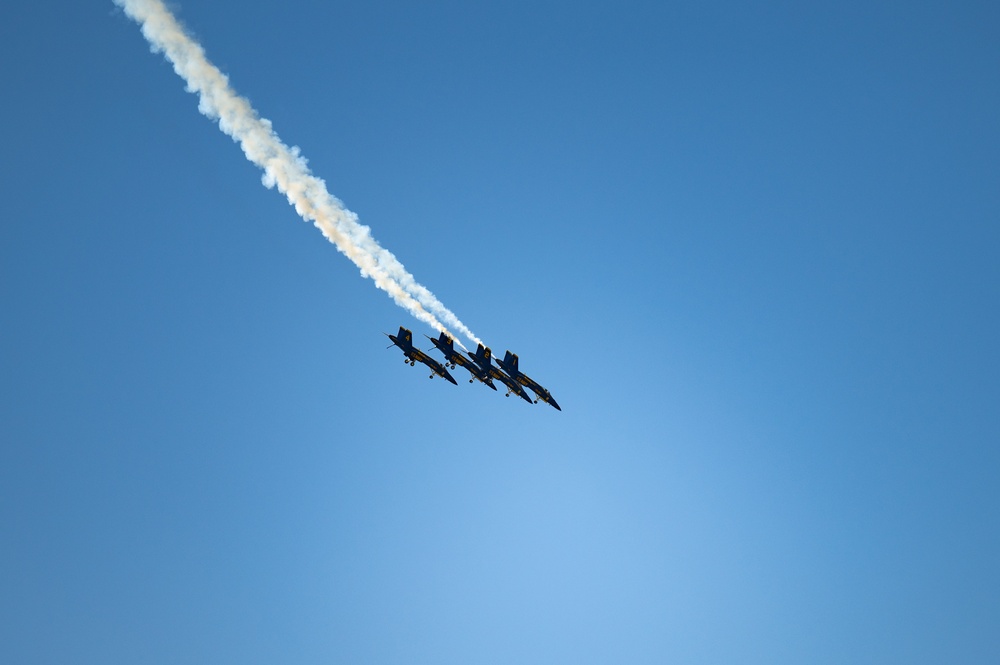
(753, 249)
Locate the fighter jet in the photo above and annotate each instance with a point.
(509, 365)
(404, 340)
(446, 345)
(483, 358)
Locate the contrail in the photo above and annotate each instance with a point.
(284, 167)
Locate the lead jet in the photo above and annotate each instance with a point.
(483, 358)
(509, 365)
(446, 345)
(404, 340)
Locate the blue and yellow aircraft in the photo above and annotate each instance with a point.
(483, 358)
(404, 340)
(509, 365)
(446, 345)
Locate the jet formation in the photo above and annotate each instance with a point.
(479, 365)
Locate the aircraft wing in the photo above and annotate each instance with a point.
(435, 366)
(512, 385)
(474, 369)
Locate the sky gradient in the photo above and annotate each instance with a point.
(751, 250)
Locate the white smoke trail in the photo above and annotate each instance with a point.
(284, 167)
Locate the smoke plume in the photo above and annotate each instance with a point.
(284, 167)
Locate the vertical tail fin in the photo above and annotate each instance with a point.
(446, 343)
(510, 360)
(405, 335)
(483, 354)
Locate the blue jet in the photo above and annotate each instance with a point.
(483, 358)
(509, 365)
(446, 345)
(404, 340)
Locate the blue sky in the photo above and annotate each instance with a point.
(751, 249)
